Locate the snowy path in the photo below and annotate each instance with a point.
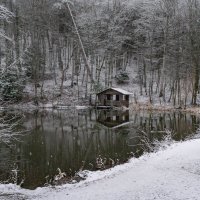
(171, 174)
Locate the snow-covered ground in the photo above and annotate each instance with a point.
(170, 174)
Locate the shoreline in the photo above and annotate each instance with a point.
(29, 106)
(165, 108)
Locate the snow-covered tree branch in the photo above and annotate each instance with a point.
(5, 15)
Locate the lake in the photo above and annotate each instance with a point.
(74, 140)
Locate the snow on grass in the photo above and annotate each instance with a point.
(172, 173)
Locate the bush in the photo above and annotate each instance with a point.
(11, 85)
(33, 63)
(122, 77)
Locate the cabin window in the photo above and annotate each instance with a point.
(117, 97)
(117, 118)
(127, 98)
(108, 119)
(127, 118)
(108, 96)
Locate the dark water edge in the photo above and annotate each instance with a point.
(74, 140)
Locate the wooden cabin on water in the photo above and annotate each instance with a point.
(113, 97)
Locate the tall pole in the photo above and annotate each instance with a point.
(81, 43)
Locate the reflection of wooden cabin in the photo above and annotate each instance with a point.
(114, 97)
(113, 118)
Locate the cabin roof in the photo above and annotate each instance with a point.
(118, 90)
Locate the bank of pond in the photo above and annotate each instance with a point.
(52, 147)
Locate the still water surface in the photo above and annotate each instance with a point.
(74, 140)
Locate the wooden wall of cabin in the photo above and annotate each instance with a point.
(103, 99)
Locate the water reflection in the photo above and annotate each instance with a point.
(71, 140)
(113, 118)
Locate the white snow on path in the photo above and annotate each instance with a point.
(170, 174)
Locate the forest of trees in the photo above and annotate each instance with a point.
(160, 39)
